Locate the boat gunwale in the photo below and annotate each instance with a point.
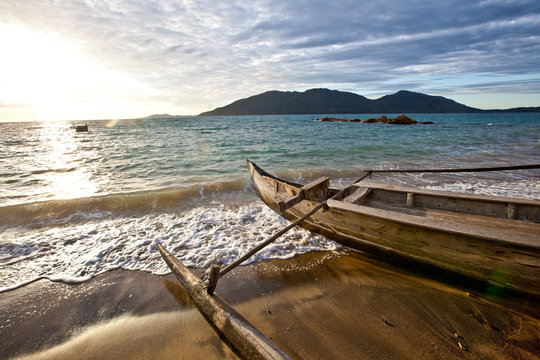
(416, 191)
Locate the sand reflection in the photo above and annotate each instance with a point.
(172, 335)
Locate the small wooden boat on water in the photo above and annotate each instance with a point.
(492, 239)
(80, 128)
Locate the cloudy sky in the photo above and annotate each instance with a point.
(102, 59)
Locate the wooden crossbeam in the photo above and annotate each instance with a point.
(316, 190)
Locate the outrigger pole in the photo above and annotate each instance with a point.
(314, 191)
(245, 338)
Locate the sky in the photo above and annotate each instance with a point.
(104, 59)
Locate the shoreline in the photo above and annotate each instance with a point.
(315, 305)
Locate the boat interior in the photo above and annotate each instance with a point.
(415, 201)
(504, 216)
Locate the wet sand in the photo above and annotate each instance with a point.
(314, 306)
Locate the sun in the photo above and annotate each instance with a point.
(36, 69)
(57, 79)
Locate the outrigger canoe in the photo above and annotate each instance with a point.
(492, 239)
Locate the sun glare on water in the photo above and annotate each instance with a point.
(62, 163)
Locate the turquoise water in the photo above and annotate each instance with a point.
(42, 161)
(103, 199)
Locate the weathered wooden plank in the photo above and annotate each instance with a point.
(512, 210)
(286, 204)
(461, 228)
(471, 256)
(357, 195)
(249, 341)
(410, 199)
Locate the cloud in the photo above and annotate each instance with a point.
(193, 53)
(526, 86)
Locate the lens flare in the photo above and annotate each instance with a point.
(497, 284)
(112, 123)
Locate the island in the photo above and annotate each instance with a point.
(326, 101)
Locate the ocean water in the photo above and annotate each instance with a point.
(74, 205)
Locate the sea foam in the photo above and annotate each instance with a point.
(214, 233)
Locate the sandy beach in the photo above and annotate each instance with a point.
(319, 305)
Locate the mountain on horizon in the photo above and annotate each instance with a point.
(325, 101)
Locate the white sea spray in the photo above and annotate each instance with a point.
(214, 233)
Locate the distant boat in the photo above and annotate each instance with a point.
(489, 238)
(80, 128)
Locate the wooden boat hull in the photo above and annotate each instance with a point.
(493, 249)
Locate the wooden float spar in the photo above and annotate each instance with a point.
(489, 238)
(249, 341)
